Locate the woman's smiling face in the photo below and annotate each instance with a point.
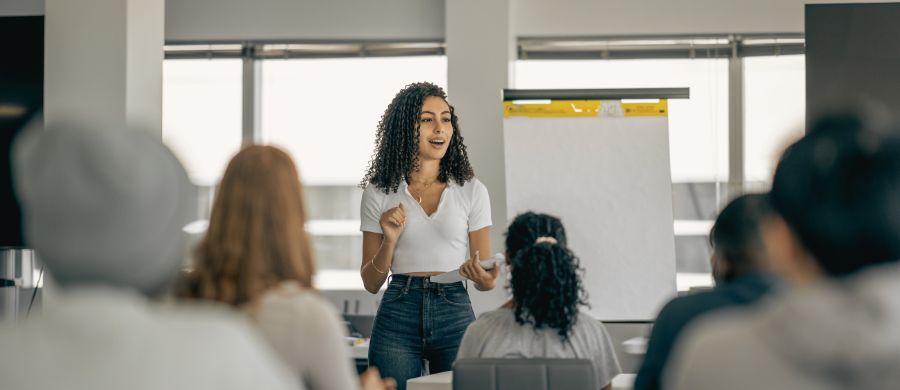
(435, 129)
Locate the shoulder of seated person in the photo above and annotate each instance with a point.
(713, 339)
(587, 324)
(206, 325)
(693, 302)
(719, 330)
(497, 316)
(202, 314)
(486, 324)
(589, 320)
(292, 296)
(500, 312)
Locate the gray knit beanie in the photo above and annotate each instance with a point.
(103, 207)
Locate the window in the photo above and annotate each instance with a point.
(774, 113)
(698, 127)
(202, 115)
(324, 112)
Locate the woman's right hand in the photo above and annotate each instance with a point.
(371, 380)
(393, 222)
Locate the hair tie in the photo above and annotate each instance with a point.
(543, 239)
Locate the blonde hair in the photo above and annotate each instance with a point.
(256, 237)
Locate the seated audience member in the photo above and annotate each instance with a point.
(104, 211)
(256, 256)
(739, 270)
(542, 320)
(836, 238)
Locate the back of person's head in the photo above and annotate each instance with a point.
(103, 207)
(256, 237)
(838, 190)
(736, 238)
(545, 274)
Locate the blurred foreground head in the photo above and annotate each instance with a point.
(103, 207)
(837, 191)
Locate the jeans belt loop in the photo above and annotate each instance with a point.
(408, 283)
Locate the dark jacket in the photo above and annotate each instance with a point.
(680, 311)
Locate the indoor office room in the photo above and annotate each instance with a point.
(449, 194)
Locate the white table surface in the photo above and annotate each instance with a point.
(439, 381)
(359, 351)
(444, 381)
(635, 346)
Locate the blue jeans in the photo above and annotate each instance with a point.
(418, 320)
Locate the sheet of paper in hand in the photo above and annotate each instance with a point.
(454, 276)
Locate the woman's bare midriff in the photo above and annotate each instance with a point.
(422, 273)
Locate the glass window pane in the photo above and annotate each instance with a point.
(202, 114)
(774, 112)
(698, 127)
(325, 111)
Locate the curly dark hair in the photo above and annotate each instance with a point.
(397, 142)
(546, 277)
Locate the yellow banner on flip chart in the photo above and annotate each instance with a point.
(553, 109)
(650, 108)
(586, 108)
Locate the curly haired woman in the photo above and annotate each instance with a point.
(542, 318)
(423, 213)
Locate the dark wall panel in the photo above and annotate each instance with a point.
(852, 57)
(21, 97)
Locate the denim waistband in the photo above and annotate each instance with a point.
(420, 282)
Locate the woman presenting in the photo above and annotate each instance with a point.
(423, 213)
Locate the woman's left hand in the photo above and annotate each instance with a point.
(484, 279)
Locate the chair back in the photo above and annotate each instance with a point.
(523, 374)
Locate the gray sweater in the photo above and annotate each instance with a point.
(496, 334)
(842, 334)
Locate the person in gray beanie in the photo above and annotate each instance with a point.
(104, 207)
(104, 210)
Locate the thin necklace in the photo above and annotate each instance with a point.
(424, 188)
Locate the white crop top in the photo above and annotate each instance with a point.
(438, 243)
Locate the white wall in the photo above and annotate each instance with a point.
(658, 17)
(192, 20)
(103, 63)
(188, 20)
(649, 17)
(203, 20)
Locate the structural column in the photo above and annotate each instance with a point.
(735, 122)
(103, 64)
(481, 53)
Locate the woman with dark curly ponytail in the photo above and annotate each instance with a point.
(423, 213)
(542, 319)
